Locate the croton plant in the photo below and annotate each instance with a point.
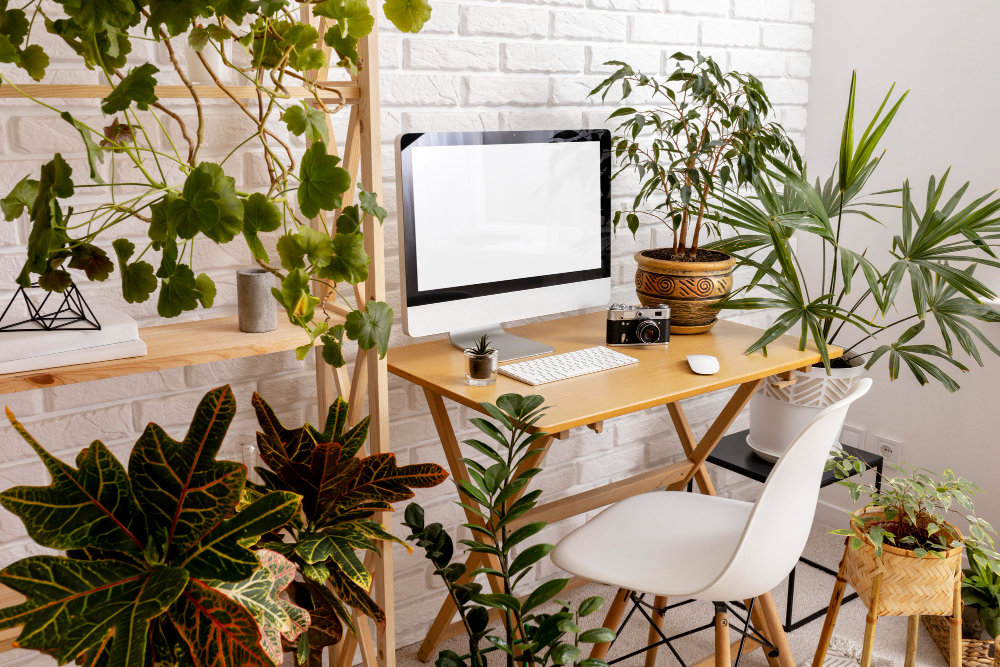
(181, 199)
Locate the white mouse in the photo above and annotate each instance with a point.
(703, 364)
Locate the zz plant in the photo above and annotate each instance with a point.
(498, 494)
(157, 568)
(181, 199)
(342, 493)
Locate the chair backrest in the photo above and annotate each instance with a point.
(779, 524)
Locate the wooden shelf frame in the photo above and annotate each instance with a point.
(202, 341)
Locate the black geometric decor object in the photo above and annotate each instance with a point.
(66, 312)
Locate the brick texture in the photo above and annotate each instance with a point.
(511, 64)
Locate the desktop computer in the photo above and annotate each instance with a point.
(502, 226)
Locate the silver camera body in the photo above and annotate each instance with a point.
(638, 325)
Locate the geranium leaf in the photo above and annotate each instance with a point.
(14, 24)
(138, 281)
(34, 61)
(333, 347)
(306, 120)
(296, 296)
(218, 631)
(176, 15)
(260, 215)
(178, 292)
(182, 489)
(372, 327)
(91, 260)
(94, 152)
(352, 16)
(276, 617)
(407, 15)
(21, 197)
(220, 554)
(322, 182)
(91, 506)
(138, 86)
(54, 279)
(349, 261)
(345, 46)
(369, 204)
(75, 605)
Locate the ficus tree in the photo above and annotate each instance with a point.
(182, 199)
(157, 566)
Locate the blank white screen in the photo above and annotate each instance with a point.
(484, 214)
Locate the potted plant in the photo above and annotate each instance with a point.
(161, 180)
(903, 556)
(981, 590)
(820, 300)
(498, 494)
(341, 493)
(483, 361)
(157, 568)
(708, 130)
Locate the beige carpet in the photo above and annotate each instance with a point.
(812, 592)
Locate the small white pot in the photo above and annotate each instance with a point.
(778, 414)
(196, 70)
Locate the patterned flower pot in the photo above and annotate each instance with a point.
(689, 288)
(779, 413)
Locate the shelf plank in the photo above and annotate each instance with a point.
(349, 89)
(170, 346)
(9, 598)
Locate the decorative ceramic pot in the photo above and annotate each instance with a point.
(779, 413)
(689, 288)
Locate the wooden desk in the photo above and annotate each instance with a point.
(661, 377)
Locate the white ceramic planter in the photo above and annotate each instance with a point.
(778, 414)
(196, 70)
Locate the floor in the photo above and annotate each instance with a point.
(812, 592)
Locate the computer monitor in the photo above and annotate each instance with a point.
(502, 226)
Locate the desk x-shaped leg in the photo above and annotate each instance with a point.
(672, 477)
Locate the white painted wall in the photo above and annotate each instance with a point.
(949, 58)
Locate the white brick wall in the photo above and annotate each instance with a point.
(478, 65)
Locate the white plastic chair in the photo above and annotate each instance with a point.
(702, 547)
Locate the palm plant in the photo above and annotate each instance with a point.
(923, 252)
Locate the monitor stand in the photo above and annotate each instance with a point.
(509, 345)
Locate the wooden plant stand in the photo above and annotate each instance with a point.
(174, 345)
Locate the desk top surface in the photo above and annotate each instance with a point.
(661, 376)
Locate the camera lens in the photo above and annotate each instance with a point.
(647, 332)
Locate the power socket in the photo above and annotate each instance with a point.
(852, 436)
(891, 450)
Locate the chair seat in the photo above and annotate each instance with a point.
(665, 542)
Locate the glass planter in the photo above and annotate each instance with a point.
(481, 369)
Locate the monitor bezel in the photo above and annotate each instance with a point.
(415, 297)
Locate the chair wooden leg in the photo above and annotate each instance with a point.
(870, 620)
(955, 643)
(660, 602)
(612, 620)
(757, 619)
(776, 631)
(912, 627)
(832, 611)
(722, 655)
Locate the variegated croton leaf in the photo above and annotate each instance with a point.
(341, 493)
(140, 545)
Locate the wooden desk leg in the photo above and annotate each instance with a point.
(459, 471)
(687, 442)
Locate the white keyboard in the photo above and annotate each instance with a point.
(566, 365)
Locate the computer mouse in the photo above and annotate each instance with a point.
(703, 364)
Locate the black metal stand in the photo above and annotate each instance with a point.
(71, 314)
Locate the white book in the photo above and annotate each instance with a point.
(135, 348)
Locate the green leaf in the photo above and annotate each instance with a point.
(296, 297)
(8, 52)
(407, 15)
(176, 15)
(346, 47)
(369, 204)
(352, 16)
(349, 220)
(529, 557)
(260, 215)
(138, 281)
(184, 491)
(91, 260)
(349, 262)
(93, 150)
(205, 287)
(276, 617)
(565, 654)
(34, 61)
(138, 86)
(21, 197)
(333, 341)
(543, 594)
(590, 605)
(178, 293)
(322, 182)
(372, 327)
(306, 120)
(54, 279)
(91, 506)
(597, 635)
(75, 606)
(14, 24)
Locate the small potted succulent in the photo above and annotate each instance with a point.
(482, 363)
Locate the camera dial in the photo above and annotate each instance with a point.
(647, 332)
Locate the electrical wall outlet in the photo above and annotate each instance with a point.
(891, 450)
(852, 436)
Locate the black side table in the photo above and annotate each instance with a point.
(733, 453)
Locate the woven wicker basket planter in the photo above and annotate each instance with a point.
(911, 586)
(975, 652)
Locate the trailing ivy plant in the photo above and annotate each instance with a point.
(157, 567)
(182, 199)
(341, 494)
(498, 493)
